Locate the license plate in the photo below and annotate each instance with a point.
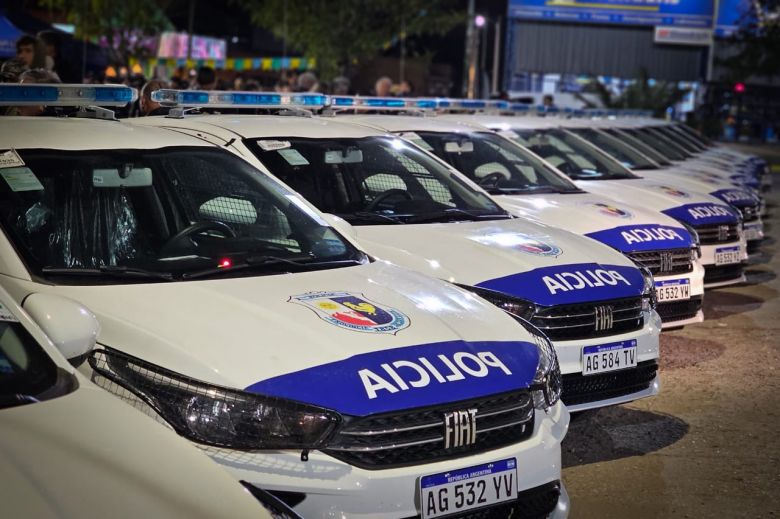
(752, 233)
(727, 255)
(673, 290)
(467, 489)
(608, 357)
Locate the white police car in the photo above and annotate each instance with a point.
(232, 312)
(410, 208)
(524, 184)
(613, 137)
(68, 449)
(718, 225)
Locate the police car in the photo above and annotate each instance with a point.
(719, 226)
(410, 208)
(524, 184)
(614, 138)
(68, 449)
(232, 312)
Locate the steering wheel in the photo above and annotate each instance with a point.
(385, 195)
(492, 179)
(177, 241)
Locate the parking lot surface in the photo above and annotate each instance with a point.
(709, 444)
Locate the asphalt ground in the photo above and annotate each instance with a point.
(709, 444)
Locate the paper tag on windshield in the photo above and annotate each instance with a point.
(21, 179)
(268, 145)
(6, 315)
(10, 159)
(293, 157)
(416, 139)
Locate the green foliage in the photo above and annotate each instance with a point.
(757, 44)
(643, 94)
(122, 23)
(340, 33)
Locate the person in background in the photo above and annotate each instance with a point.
(548, 101)
(341, 86)
(308, 82)
(11, 70)
(52, 41)
(405, 89)
(31, 51)
(206, 79)
(383, 86)
(146, 105)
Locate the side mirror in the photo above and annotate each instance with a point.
(341, 225)
(70, 326)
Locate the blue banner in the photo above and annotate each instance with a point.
(679, 13)
(409, 377)
(703, 214)
(573, 283)
(633, 238)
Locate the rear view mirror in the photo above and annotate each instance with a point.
(229, 210)
(128, 176)
(350, 156)
(70, 326)
(459, 147)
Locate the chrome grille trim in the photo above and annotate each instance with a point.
(710, 234)
(680, 261)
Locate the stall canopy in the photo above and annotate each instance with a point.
(8, 36)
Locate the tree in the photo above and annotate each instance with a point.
(644, 94)
(339, 33)
(757, 43)
(123, 25)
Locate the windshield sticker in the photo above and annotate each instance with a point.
(6, 315)
(10, 159)
(21, 179)
(409, 377)
(293, 157)
(353, 312)
(520, 242)
(674, 192)
(270, 145)
(611, 210)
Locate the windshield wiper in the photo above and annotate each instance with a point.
(108, 270)
(367, 216)
(274, 263)
(524, 189)
(452, 214)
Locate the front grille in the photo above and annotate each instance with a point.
(416, 436)
(718, 233)
(716, 274)
(534, 503)
(579, 321)
(581, 389)
(750, 213)
(664, 262)
(679, 310)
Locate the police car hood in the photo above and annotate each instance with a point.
(688, 206)
(626, 228)
(306, 336)
(731, 192)
(517, 257)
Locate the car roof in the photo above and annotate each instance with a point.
(400, 123)
(70, 133)
(508, 122)
(259, 126)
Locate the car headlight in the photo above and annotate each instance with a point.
(649, 299)
(216, 415)
(696, 241)
(513, 305)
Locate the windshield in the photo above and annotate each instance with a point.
(497, 165)
(619, 150)
(373, 180)
(694, 134)
(25, 370)
(157, 215)
(670, 150)
(680, 138)
(571, 155)
(643, 147)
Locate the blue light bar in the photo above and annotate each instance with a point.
(224, 99)
(66, 95)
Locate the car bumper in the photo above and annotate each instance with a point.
(332, 488)
(726, 274)
(682, 312)
(570, 358)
